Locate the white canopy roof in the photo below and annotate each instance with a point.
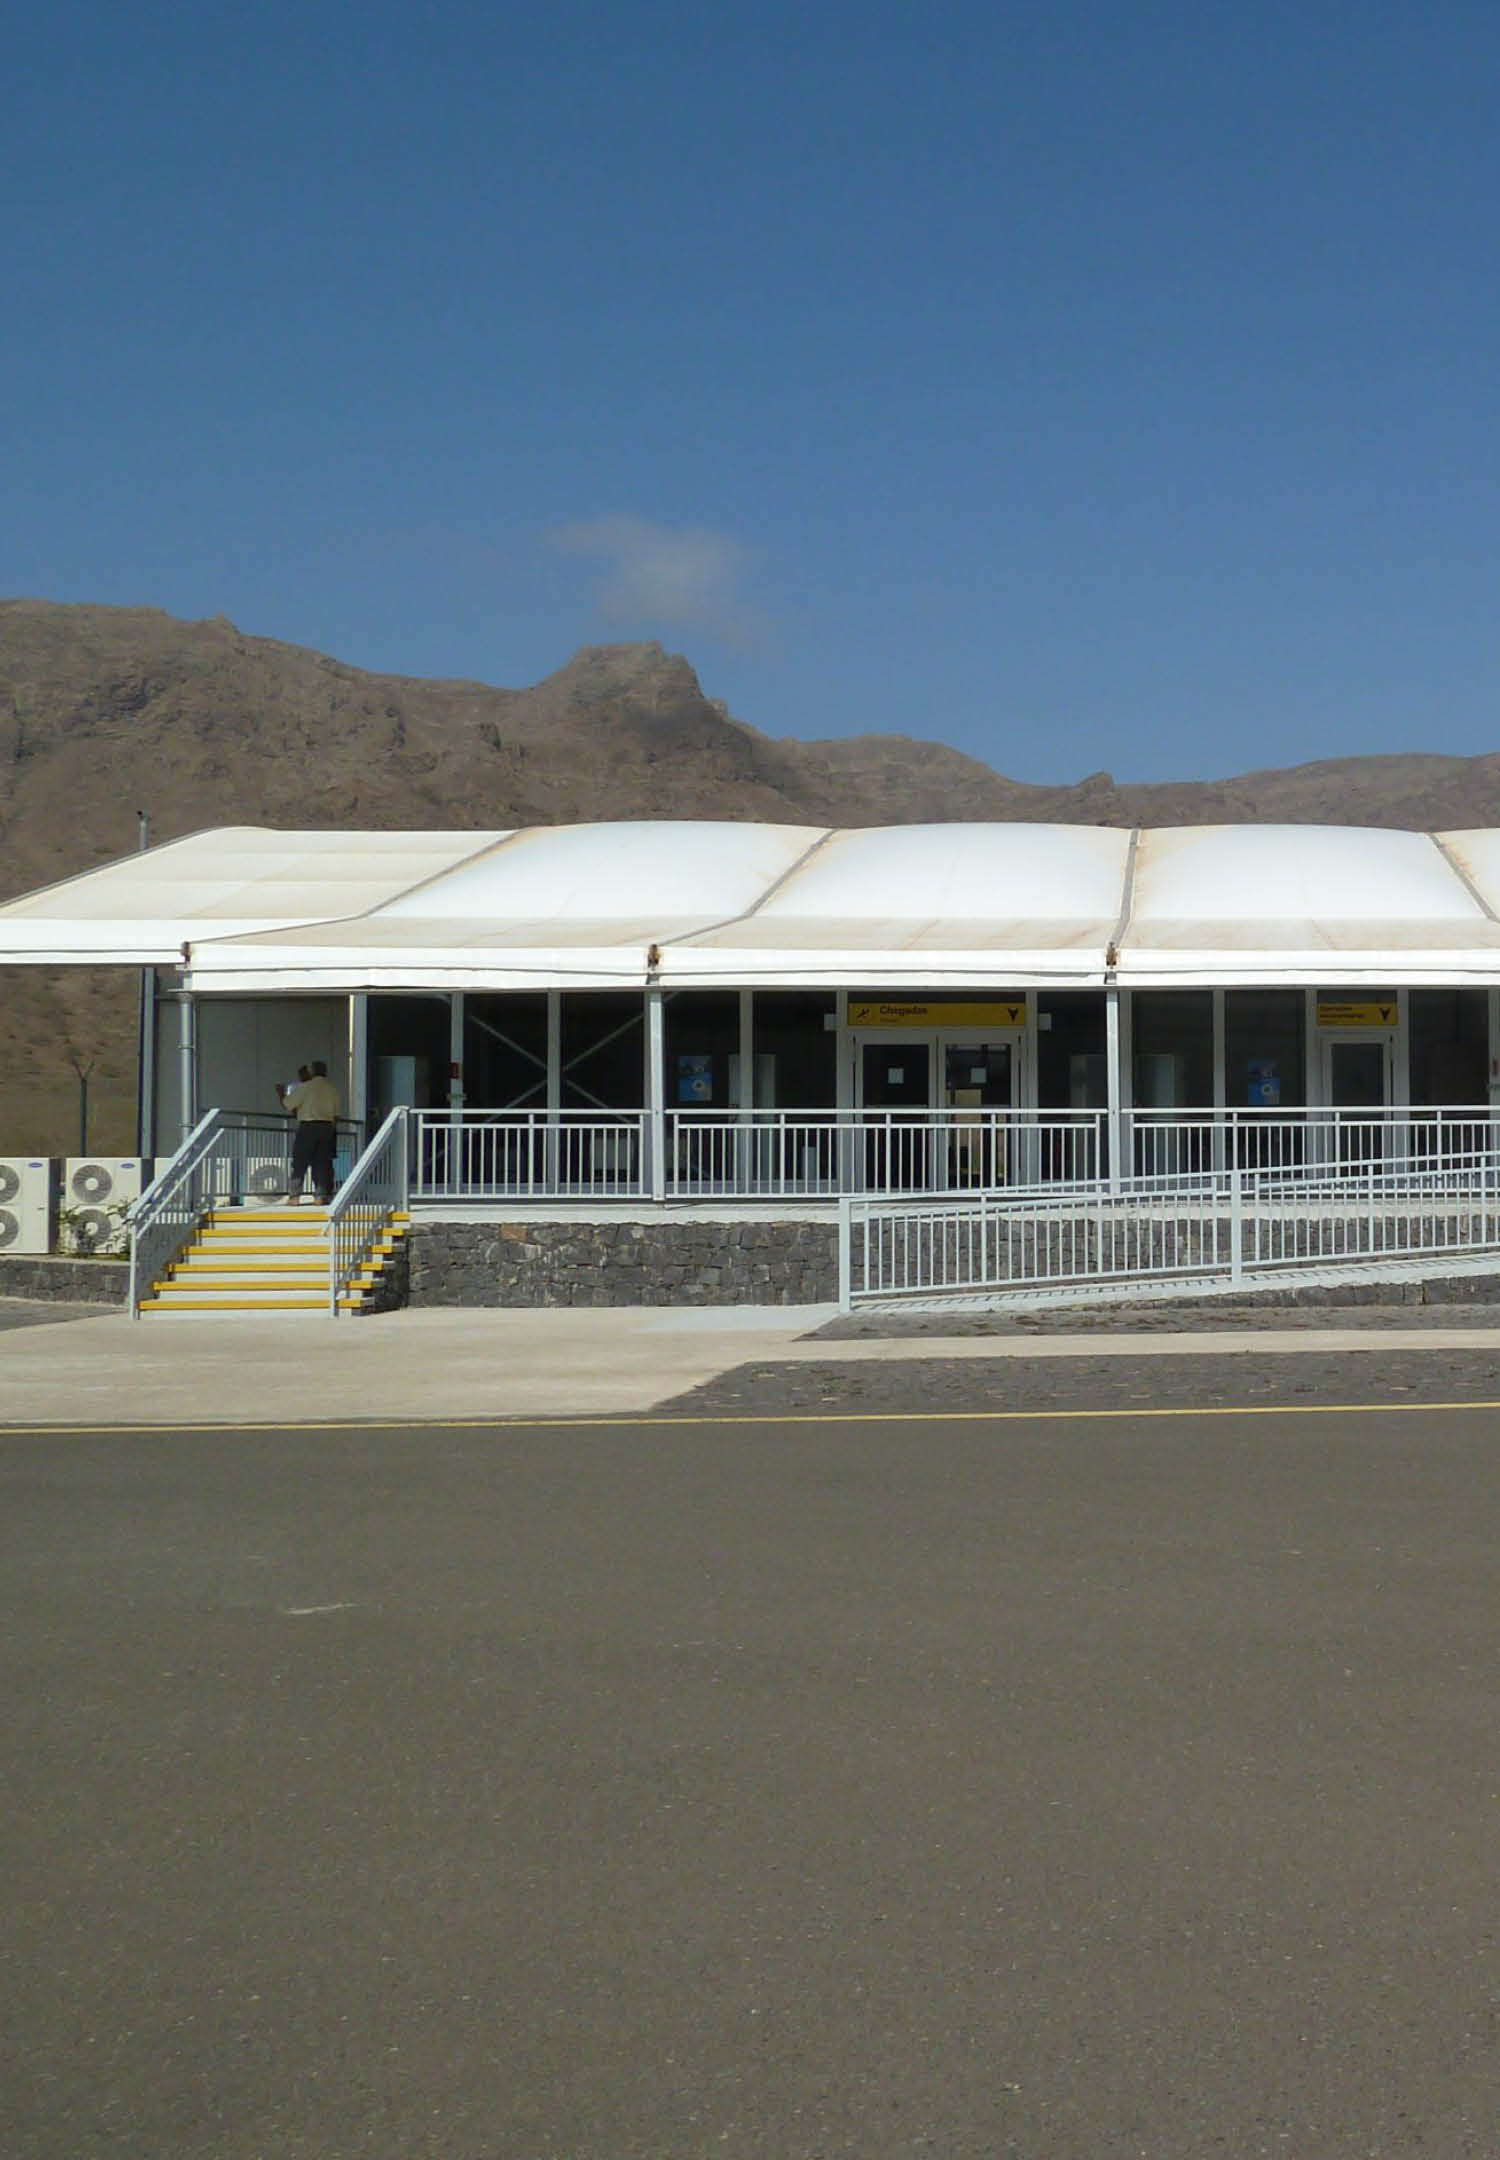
(685, 903)
(220, 884)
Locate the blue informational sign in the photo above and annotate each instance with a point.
(1265, 1084)
(695, 1079)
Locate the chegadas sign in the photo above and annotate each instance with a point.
(930, 1013)
(1362, 1013)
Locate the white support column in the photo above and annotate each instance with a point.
(1312, 1093)
(1221, 1077)
(146, 1137)
(187, 1060)
(1127, 1048)
(843, 1094)
(744, 1143)
(358, 1096)
(1494, 1002)
(1027, 1153)
(746, 1099)
(554, 1089)
(656, 1089)
(455, 1050)
(1116, 1082)
(554, 1054)
(1313, 1053)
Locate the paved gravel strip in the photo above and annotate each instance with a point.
(39, 1312)
(1198, 1316)
(1185, 1381)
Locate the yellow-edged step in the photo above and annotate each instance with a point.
(269, 1260)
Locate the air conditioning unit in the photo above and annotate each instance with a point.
(25, 1204)
(268, 1179)
(97, 1193)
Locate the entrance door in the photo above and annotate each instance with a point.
(981, 1081)
(1358, 1071)
(895, 1077)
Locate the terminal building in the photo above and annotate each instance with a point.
(658, 1009)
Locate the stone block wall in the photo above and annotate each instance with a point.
(623, 1263)
(75, 1282)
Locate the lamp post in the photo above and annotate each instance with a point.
(145, 1038)
(83, 1072)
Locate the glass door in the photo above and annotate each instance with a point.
(981, 1082)
(895, 1088)
(1357, 1078)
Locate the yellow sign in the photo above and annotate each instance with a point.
(924, 1013)
(1333, 1014)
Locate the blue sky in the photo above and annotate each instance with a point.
(1084, 385)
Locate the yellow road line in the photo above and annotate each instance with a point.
(615, 1420)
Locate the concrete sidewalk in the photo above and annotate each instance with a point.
(411, 1366)
(270, 1368)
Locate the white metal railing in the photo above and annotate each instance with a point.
(792, 1153)
(529, 1154)
(805, 1154)
(1204, 1226)
(762, 1154)
(378, 1184)
(1173, 1144)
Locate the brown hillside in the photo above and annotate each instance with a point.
(107, 710)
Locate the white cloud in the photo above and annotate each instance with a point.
(684, 577)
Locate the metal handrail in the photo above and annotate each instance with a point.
(156, 1237)
(378, 1184)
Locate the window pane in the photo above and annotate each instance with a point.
(1264, 1065)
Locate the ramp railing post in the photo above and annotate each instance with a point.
(1236, 1225)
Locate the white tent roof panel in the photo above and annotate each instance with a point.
(957, 873)
(221, 883)
(766, 903)
(1244, 877)
(638, 879)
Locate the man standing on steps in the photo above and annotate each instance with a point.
(314, 1100)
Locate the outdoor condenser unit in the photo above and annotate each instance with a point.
(25, 1204)
(97, 1193)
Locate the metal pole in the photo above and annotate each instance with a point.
(656, 1076)
(83, 1072)
(359, 1064)
(145, 1055)
(187, 1061)
(746, 1103)
(1220, 1079)
(1115, 1081)
(457, 1166)
(552, 1155)
(456, 1050)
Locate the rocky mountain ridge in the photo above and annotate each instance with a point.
(107, 710)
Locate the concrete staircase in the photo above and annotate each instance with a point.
(272, 1259)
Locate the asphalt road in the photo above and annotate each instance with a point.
(1058, 1788)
